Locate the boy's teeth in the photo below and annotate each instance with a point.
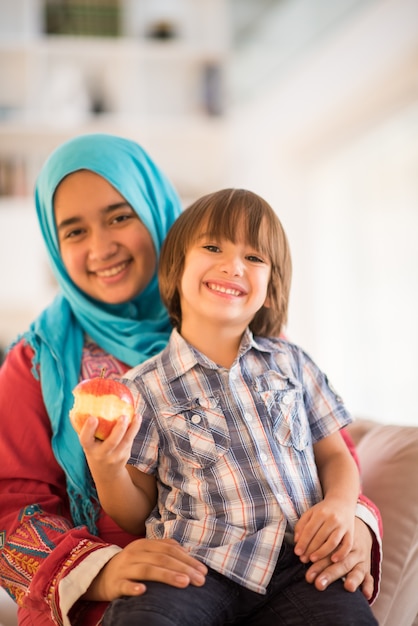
(227, 290)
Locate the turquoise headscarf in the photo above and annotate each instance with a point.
(132, 331)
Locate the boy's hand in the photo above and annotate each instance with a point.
(108, 458)
(325, 529)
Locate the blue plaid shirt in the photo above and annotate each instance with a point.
(232, 449)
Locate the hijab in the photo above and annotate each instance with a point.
(132, 331)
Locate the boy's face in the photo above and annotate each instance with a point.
(223, 283)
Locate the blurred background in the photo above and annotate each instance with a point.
(313, 104)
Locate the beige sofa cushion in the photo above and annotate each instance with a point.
(389, 464)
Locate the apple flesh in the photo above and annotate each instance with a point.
(104, 398)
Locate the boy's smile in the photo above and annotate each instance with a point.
(223, 285)
(225, 289)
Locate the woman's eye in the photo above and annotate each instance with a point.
(121, 218)
(72, 234)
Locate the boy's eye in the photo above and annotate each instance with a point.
(212, 248)
(255, 259)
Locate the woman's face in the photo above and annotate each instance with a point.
(107, 251)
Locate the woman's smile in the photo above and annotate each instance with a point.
(111, 272)
(106, 249)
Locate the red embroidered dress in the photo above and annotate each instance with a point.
(40, 547)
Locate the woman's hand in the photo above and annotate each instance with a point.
(162, 560)
(354, 568)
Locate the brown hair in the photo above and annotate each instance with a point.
(219, 213)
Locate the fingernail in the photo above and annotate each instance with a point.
(182, 580)
(323, 582)
(199, 578)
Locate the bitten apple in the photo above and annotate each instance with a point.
(104, 398)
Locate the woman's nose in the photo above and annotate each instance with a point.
(102, 246)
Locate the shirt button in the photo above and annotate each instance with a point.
(196, 419)
(286, 399)
(208, 403)
(248, 417)
(280, 498)
(263, 457)
(233, 376)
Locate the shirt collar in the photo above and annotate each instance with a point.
(183, 356)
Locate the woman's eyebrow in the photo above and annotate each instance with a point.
(68, 222)
(107, 209)
(117, 205)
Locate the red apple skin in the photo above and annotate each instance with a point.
(104, 398)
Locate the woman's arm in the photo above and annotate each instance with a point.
(47, 564)
(38, 538)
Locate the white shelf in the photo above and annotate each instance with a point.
(75, 44)
(128, 76)
(167, 94)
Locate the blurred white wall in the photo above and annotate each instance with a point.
(27, 284)
(332, 143)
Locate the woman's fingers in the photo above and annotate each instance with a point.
(144, 560)
(354, 568)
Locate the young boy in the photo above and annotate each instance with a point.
(239, 434)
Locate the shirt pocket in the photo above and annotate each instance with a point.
(283, 401)
(198, 431)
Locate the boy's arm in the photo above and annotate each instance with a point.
(361, 568)
(330, 524)
(125, 493)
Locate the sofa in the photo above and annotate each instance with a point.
(388, 457)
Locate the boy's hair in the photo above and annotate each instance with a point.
(227, 214)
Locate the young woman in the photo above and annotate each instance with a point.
(104, 209)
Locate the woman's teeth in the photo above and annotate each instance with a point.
(112, 271)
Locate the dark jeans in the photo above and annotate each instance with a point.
(290, 601)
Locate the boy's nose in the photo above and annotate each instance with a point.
(233, 266)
